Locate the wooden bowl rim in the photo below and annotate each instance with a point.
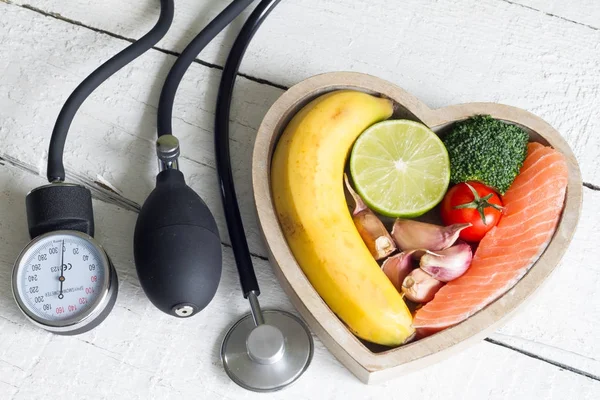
(309, 304)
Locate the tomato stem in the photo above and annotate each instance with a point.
(479, 203)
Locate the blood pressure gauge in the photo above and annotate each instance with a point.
(64, 282)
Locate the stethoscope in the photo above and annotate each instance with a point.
(65, 282)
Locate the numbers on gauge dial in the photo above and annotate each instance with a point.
(61, 277)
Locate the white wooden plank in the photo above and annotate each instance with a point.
(112, 137)
(444, 52)
(140, 353)
(582, 11)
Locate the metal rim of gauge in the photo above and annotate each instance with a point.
(94, 314)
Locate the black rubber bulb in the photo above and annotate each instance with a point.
(177, 248)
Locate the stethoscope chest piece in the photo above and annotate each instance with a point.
(261, 352)
(267, 355)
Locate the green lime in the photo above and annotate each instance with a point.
(400, 168)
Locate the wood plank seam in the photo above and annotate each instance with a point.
(591, 186)
(551, 15)
(130, 40)
(544, 359)
(100, 191)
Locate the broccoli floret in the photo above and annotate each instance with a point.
(487, 150)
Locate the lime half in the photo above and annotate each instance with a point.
(400, 168)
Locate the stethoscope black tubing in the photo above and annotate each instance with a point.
(228, 195)
(187, 57)
(56, 170)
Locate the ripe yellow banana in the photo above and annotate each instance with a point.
(308, 190)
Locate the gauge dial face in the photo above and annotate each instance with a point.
(60, 278)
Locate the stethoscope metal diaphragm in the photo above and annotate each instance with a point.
(266, 351)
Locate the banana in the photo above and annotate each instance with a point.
(308, 189)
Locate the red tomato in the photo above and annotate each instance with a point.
(472, 202)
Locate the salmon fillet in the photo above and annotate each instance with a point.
(533, 206)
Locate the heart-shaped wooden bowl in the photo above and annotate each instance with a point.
(367, 364)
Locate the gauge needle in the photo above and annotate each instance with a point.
(62, 270)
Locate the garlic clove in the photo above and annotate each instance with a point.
(397, 267)
(369, 226)
(420, 287)
(448, 264)
(373, 232)
(359, 204)
(409, 234)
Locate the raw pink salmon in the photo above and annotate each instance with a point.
(533, 206)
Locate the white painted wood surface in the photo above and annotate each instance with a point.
(443, 52)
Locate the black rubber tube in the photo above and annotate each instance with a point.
(228, 196)
(187, 57)
(56, 169)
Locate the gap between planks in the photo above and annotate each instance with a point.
(105, 194)
(130, 40)
(496, 339)
(207, 64)
(100, 191)
(550, 14)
